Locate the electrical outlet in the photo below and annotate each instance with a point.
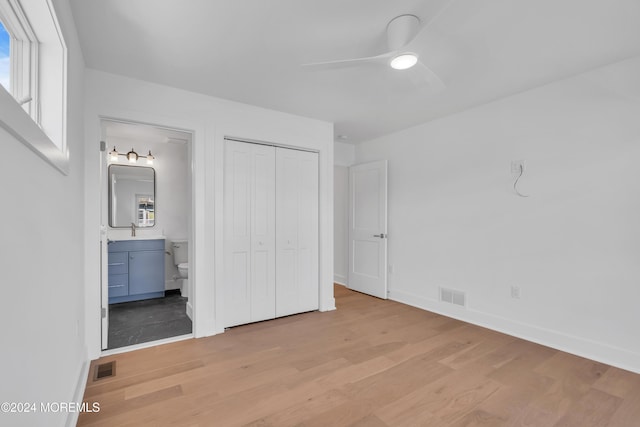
(517, 167)
(515, 292)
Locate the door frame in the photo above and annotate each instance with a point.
(103, 282)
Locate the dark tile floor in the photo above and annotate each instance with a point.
(149, 320)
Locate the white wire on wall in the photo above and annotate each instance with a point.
(515, 183)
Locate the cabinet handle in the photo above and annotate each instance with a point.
(117, 286)
(116, 263)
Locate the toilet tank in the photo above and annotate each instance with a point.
(180, 251)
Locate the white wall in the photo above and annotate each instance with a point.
(344, 156)
(572, 247)
(42, 307)
(341, 224)
(211, 119)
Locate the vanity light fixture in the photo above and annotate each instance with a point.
(131, 156)
(113, 155)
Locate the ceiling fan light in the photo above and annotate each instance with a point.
(404, 61)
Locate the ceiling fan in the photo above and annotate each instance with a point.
(402, 33)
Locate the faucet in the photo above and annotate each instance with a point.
(133, 230)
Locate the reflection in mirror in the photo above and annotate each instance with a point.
(132, 193)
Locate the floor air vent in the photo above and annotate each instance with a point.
(453, 297)
(104, 370)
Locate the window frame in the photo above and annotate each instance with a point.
(23, 58)
(37, 119)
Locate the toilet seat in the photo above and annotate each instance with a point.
(183, 265)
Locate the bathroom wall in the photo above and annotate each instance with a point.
(173, 194)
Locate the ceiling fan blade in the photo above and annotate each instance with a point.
(354, 61)
(421, 75)
(426, 26)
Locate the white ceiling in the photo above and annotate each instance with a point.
(251, 50)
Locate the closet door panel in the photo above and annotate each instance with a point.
(308, 231)
(237, 233)
(270, 232)
(263, 271)
(296, 231)
(286, 232)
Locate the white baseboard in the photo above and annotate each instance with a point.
(340, 283)
(593, 350)
(340, 279)
(329, 305)
(78, 395)
(190, 310)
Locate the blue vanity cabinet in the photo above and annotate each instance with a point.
(136, 270)
(146, 272)
(118, 274)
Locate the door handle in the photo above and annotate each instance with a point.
(381, 235)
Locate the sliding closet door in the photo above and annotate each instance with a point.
(296, 231)
(249, 233)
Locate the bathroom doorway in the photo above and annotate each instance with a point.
(146, 227)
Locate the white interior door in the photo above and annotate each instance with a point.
(368, 228)
(296, 231)
(104, 288)
(104, 254)
(249, 233)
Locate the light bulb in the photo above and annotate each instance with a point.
(113, 155)
(132, 156)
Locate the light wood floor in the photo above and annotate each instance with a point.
(370, 363)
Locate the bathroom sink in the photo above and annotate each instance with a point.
(148, 237)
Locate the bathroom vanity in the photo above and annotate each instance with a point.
(136, 269)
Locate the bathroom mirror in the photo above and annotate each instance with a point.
(132, 194)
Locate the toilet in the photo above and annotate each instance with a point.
(181, 259)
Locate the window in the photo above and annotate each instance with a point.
(4, 58)
(23, 57)
(35, 103)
